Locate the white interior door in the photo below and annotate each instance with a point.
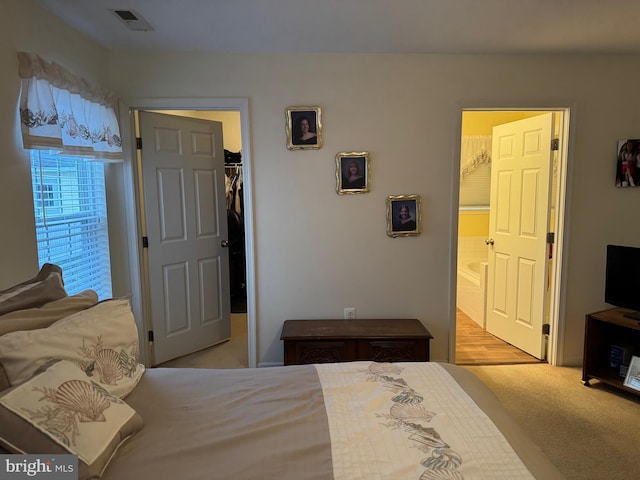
(518, 224)
(186, 224)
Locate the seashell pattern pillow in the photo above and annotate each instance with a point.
(62, 410)
(101, 341)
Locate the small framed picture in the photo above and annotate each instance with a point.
(352, 172)
(628, 163)
(403, 215)
(304, 128)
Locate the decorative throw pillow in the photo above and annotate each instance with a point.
(42, 317)
(45, 287)
(102, 341)
(60, 411)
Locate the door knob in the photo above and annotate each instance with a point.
(489, 241)
(224, 243)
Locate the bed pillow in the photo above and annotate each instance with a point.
(45, 287)
(42, 317)
(4, 379)
(101, 341)
(62, 411)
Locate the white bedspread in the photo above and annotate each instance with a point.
(414, 422)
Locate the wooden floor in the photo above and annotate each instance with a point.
(474, 346)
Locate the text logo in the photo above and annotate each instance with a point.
(50, 467)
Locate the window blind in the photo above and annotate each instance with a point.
(71, 219)
(475, 188)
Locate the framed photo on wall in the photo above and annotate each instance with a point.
(628, 163)
(352, 172)
(304, 128)
(403, 215)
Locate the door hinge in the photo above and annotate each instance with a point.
(138, 143)
(546, 329)
(145, 242)
(555, 144)
(551, 237)
(151, 335)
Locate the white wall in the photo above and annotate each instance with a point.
(317, 251)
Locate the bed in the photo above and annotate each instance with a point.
(71, 384)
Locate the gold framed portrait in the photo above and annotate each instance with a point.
(304, 128)
(404, 216)
(353, 172)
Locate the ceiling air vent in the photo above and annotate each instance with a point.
(133, 20)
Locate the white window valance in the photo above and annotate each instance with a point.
(60, 111)
(475, 150)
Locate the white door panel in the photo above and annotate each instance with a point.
(206, 215)
(500, 282)
(518, 224)
(185, 213)
(171, 210)
(175, 283)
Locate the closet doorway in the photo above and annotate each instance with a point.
(233, 113)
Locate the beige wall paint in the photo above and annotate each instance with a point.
(26, 27)
(318, 252)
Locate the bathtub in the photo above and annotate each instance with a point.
(471, 289)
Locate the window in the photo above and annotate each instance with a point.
(71, 219)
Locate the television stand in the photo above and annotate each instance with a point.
(633, 315)
(616, 326)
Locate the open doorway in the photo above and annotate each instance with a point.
(479, 288)
(198, 108)
(234, 192)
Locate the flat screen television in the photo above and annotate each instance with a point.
(622, 282)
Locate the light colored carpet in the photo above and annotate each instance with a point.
(232, 353)
(587, 432)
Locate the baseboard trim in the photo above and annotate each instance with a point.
(270, 364)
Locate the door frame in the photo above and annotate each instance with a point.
(555, 350)
(135, 218)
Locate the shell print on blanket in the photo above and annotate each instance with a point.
(106, 364)
(408, 413)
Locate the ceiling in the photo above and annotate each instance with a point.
(361, 26)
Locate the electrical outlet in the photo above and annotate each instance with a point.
(349, 313)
